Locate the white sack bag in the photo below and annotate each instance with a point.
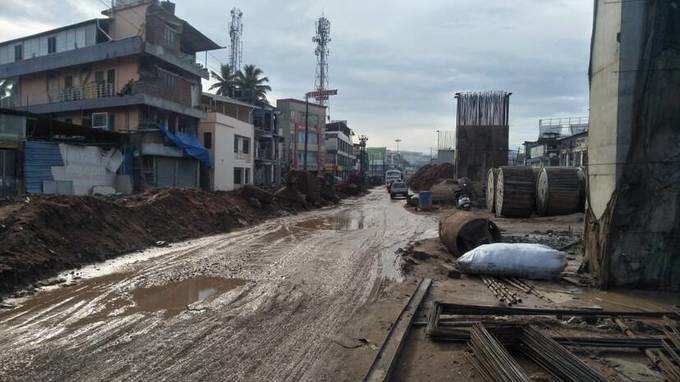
(529, 261)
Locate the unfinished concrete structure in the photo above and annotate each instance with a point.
(632, 234)
(481, 133)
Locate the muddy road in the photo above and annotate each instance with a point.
(259, 304)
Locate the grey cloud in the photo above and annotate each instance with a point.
(396, 63)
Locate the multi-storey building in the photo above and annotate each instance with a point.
(227, 132)
(339, 151)
(293, 122)
(561, 142)
(268, 145)
(134, 72)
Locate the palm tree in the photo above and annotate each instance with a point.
(250, 85)
(226, 81)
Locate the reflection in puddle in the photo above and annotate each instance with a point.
(173, 298)
(345, 220)
(71, 302)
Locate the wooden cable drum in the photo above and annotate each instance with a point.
(558, 191)
(515, 191)
(491, 178)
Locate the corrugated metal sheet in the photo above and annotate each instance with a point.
(39, 157)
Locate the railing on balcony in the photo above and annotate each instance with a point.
(89, 91)
(181, 93)
(243, 157)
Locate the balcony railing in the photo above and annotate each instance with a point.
(243, 156)
(88, 91)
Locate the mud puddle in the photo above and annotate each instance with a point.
(174, 298)
(346, 220)
(104, 297)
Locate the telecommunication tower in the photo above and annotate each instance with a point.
(322, 39)
(235, 39)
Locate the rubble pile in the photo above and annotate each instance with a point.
(48, 234)
(429, 175)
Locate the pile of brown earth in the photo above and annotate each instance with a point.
(429, 175)
(49, 234)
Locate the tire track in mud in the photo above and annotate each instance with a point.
(306, 276)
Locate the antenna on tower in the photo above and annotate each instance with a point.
(322, 39)
(235, 39)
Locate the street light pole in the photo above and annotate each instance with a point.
(304, 161)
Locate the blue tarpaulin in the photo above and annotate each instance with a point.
(189, 144)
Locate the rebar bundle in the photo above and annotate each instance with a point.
(501, 291)
(556, 359)
(491, 360)
(490, 108)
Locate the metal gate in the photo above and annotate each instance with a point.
(8, 173)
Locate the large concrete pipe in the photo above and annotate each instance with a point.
(465, 230)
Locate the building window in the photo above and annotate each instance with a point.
(111, 76)
(246, 145)
(68, 82)
(169, 35)
(238, 175)
(247, 178)
(99, 77)
(51, 45)
(236, 139)
(207, 140)
(18, 52)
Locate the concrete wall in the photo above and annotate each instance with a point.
(613, 67)
(479, 148)
(632, 235)
(224, 129)
(128, 22)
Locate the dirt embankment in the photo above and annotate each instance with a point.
(49, 234)
(431, 174)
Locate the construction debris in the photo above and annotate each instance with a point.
(429, 175)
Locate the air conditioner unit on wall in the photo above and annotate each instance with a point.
(100, 121)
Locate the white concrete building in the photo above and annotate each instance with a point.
(227, 132)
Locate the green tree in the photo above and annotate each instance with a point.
(226, 81)
(251, 85)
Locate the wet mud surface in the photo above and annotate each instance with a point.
(265, 303)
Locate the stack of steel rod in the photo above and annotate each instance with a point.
(491, 360)
(556, 359)
(501, 291)
(525, 287)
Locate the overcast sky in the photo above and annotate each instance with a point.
(396, 63)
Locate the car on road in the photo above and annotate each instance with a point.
(397, 189)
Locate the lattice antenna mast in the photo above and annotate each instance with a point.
(322, 39)
(235, 39)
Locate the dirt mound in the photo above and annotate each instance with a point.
(53, 233)
(429, 175)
